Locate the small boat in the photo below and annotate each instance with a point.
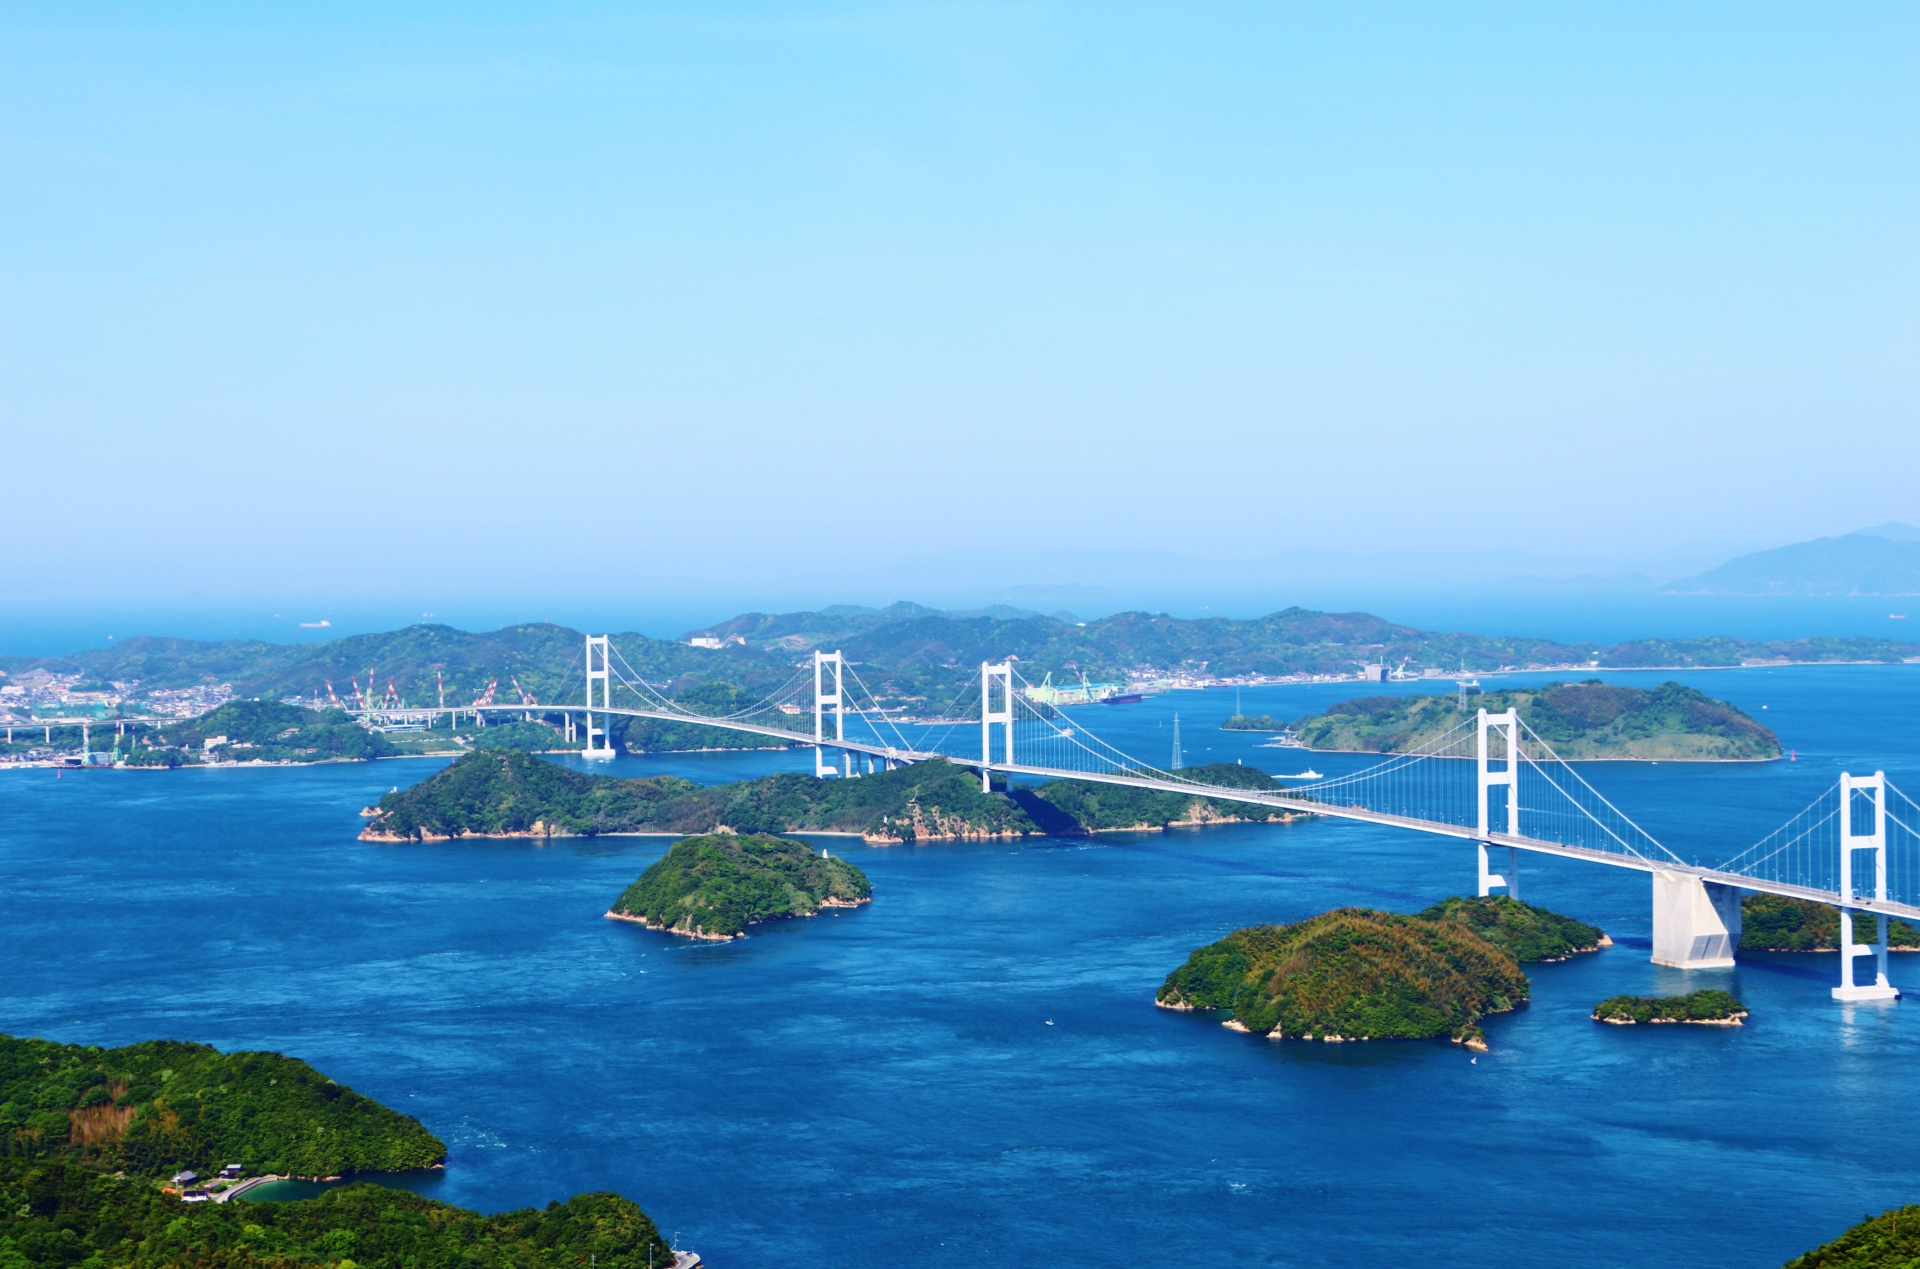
(1311, 774)
(1125, 698)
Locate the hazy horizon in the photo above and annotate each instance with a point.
(649, 317)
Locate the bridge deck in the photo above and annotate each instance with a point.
(1297, 803)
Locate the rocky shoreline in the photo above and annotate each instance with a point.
(701, 935)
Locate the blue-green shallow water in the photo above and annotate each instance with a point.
(881, 1086)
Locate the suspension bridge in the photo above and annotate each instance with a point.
(1491, 781)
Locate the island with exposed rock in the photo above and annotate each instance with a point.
(716, 885)
(1708, 1008)
(505, 793)
(1362, 974)
(1351, 974)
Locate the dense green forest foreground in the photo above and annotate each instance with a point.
(511, 794)
(1352, 974)
(1580, 720)
(1522, 931)
(1712, 1007)
(149, 1109)
(918, 659)
(57, 1215)
(1890, 1240)
(1775, 923)
(717, 885)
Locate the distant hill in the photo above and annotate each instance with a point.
(1878, 561)
(921, 660)
(1580, 720)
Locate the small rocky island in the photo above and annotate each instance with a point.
(1590, 720)
(1522, 931)
(716, 885)
(1705, 1008)
(506, 793)
(1352, 974)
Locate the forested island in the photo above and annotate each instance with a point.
(61, 1216)
(1522, 931)
(1351, 974)
(1590, 720)
(90, 1138)
(1361, 974)
(152, 1108)
(1706, 1008)
(716, 885)
(510, 794)
(1776, 923)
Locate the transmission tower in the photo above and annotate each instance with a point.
(1177, 762)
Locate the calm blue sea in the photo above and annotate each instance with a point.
(971, 1070)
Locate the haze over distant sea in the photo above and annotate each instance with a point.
(1604, 614)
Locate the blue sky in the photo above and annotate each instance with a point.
(526, 306)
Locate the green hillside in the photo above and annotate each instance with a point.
(152, 1108)
(507, 793)
(917, 659)
(716, 885)
(1522, 931)
(1354, 974)
(54, 1215)
(1775, 923)
(1709, 1006)
(1890, 1240)
(1099, 808)
(1579, 720)
(259, 730)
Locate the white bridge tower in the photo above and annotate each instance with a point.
(599, 696)
(1001, 674)
(1508, 724)
(1875, 840)
(823, 700)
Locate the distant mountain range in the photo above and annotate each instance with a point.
(916, 656)
(1884, 560)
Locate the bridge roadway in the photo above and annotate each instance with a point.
(1289, 802)
(1297, 803)
(1440, 828)
(666, 716)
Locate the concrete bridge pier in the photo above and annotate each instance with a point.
(1489, 878)
(1696, 924)
(1879, 988)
